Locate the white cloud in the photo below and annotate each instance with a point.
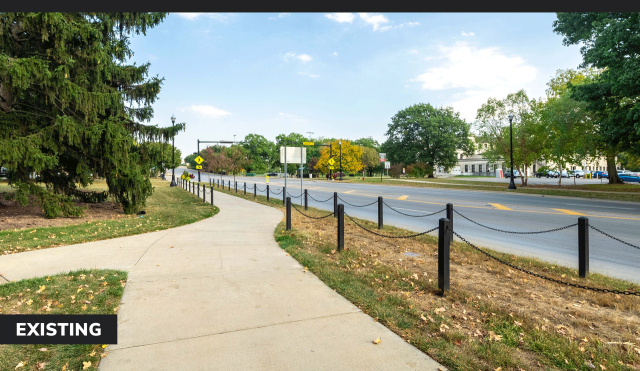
(409, 24)
(335, 53)
(385, 28)
(282, 15)
(484, 73)
(304, 58)
(413, 51)
(375, 20)
(341, 17)
(207, 111)
(468, 33)
(194, 16)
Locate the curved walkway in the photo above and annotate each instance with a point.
(220, 294)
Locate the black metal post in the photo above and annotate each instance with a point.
(255, 190)
(173, 155)
(512, 185)
(306, 203)
(288, 213)
(380, 205)
(235, 184)
(267, 192)
(341, 227)
(444, 241)
(245, 188)
(450, 214)
(583, 246)
(335, 204)
(204, 194)
(212, 195)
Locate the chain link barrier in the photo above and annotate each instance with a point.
(309, 216)
(270, 191)
(374, 202)
(328, 199)
(545, 277)
(615, 238)
(259, 190)
(290, 195)
(414, 216)
(384, 235)
(515, 232)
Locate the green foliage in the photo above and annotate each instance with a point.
(528, 133)
(190, 160)
(367, 142)
(419, 170)
(71, 106)
(260, 153)
(370, 158)
(423, 133)
(610, 43)
(53, 204)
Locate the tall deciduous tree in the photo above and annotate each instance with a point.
(370, 159)
(423, 133)
(351, 157)
(260, 152)
(528, 133)
(71, 106)
(610, 42)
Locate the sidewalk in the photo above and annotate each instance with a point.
(220, 294)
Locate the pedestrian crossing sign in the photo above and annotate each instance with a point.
(199, 160)
(331, 161)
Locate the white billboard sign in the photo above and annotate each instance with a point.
(293, 155)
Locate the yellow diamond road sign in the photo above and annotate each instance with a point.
(198, 167)
(199, 160)
(332, 161)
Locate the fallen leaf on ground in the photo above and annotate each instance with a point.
(377, 341)
(21, 364)
(40, 365)
(86, 365)
(494, 337)
(41, 289)
(43, 349)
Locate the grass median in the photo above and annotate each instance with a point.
(96, 291)
(495, 317)
(168, 207)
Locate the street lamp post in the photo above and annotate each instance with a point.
(173, 154)
(340, 143)
(512, 185)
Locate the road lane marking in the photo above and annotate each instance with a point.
(403, 197)
(349, 192)
(500, 207)
(570, 212)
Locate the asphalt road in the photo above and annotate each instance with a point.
(502, 210)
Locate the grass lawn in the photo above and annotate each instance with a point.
(166, 208)
(494, 318)
(80, 292)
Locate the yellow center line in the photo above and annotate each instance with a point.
(404, 197)
(500, 207)
(569, 212)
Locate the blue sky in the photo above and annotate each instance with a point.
(339, 75)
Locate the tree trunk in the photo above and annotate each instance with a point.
(523, 177)
(611, 168)
(432, 169)
(560, 175)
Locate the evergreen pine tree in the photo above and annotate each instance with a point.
(71, 107)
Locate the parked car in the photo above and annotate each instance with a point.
(272, 174)
(577, 173)
(628, 177)
(516, 173)
(599, 174)
(541, 174)
(565, 174)
(552, 174)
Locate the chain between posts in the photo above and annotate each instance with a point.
(276, 193)
(374, 202)
(414, 216)
(514, 232)
(261, 190)
(290, 195)
(615, 238)
(309, 216)
(545, 277)
(384, 235)
(328, 199)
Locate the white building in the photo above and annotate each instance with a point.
(480, 166)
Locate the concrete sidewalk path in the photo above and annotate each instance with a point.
(220, 294)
